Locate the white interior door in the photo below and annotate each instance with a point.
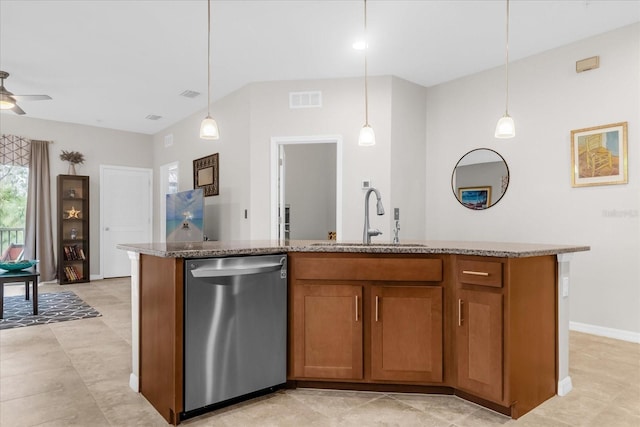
(125, 215)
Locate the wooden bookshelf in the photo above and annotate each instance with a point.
(73, 229)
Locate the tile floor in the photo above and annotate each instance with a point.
(76, 374)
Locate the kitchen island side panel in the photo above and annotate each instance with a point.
(161, 334)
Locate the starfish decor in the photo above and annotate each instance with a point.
(73, 213)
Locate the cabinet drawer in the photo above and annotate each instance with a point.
(368, 268)
(485, 273)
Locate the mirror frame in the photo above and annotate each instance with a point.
(491, 204)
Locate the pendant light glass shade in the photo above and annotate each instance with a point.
(209, 129)
(367, 136)
(506, 127)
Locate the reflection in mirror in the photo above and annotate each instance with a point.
(480, 179)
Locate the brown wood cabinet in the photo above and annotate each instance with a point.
(406, 333)
(366, 318)
(479, 327)
(479, 339)
(505, 331)
(328, 336)
(73, 229)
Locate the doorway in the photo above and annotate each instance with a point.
(168, 185)
(306, 187)
(125, 215)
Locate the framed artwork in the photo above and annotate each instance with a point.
(599, 155)
(475, 197)
(205, 175)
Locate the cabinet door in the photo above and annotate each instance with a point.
(327, 328)
(479, 343)
(406, 333)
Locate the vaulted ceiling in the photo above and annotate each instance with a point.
(111, 63)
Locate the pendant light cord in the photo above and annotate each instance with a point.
(209, 58)
(366, 88)
(506, 64)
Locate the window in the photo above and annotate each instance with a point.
(14, 182)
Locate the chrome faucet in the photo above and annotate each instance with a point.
(368, 232)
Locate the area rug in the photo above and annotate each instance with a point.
(52, 307)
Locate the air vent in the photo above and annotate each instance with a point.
(153, 117)
(311, 99)
(587, 64)
(190, 94)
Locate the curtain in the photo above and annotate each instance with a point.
(38, 240)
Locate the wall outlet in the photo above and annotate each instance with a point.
(565, 287)
(396, 214)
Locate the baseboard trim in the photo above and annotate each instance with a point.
(617, 334)
(134, 382)
(564, 386)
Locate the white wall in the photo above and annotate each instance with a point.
(224, 214)
(548, 100)
(250, 117)
(100, 147)
(408, 168)
(342, 114)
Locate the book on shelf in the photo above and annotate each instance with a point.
(73, 253)
(72, 274)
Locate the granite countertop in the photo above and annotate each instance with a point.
(265, 247)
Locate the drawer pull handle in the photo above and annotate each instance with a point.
(377, 303)
(475, 273)
(357, 308)
(460, 303)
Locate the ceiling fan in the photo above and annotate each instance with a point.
(8, 101)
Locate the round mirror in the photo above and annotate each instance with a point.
(480, 179)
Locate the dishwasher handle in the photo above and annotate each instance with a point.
(236, 271)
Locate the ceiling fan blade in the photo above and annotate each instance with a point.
(31, 97)
(16, 109)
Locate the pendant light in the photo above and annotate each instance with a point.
(506, 128)
(367, 136)
(209, 127)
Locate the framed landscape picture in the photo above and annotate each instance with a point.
(599, 155)
(475, 197)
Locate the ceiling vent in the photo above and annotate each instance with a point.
(190, 94)
(153, 117)
(311, 99)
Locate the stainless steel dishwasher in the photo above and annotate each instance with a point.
(235, 328)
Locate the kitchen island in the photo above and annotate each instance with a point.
(486, 321)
